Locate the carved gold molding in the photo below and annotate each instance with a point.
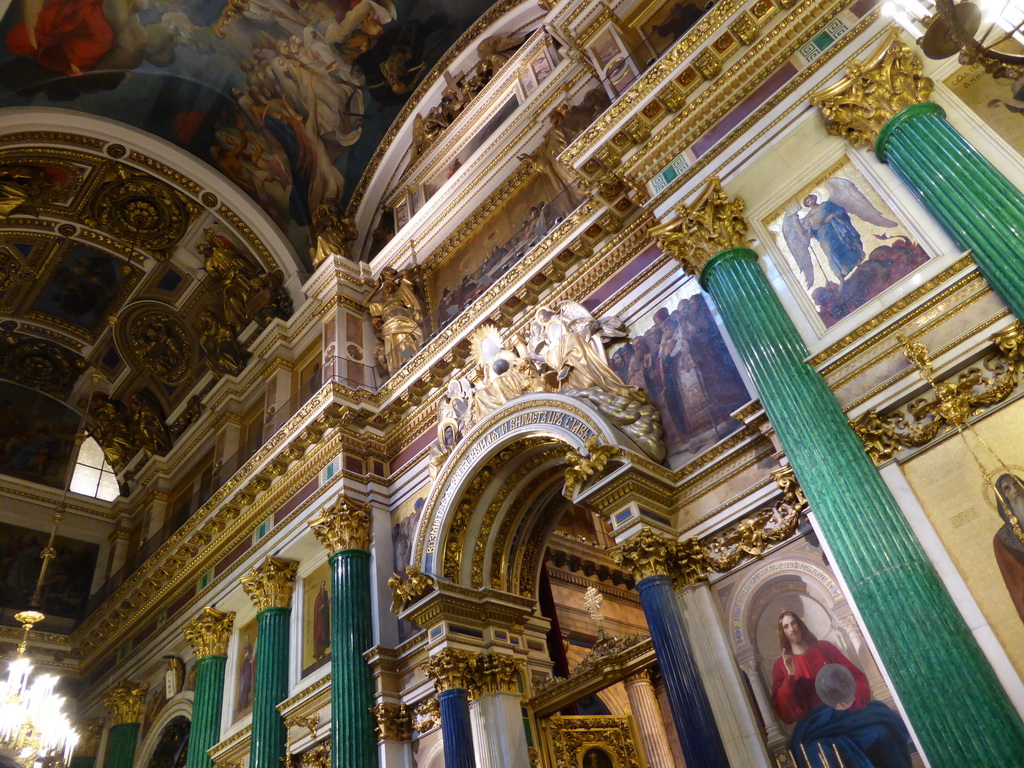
(580, 469)
(981, 386)
(408, 590)
(125, 701)
(271, 584)
(711, 224)
(344, 525)
(209, 632)
(873, 92)
(393, 722)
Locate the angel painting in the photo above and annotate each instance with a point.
(847, 248)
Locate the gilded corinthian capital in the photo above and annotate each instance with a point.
(208, 633)
(125, 701)
(452, 668)
(647, 554)
(393, 721)
(711, 224)
(271, 584)
(346, 525)
(873, 92)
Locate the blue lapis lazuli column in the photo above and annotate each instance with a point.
(698, 733)
(456, 731)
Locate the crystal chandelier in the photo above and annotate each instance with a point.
(989, 32)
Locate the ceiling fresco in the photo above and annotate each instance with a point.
(288, 98)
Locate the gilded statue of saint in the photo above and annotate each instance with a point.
(223, 353)
(111, 428)
(395, 303)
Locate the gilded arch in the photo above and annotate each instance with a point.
(510, 463)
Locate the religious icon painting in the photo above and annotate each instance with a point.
(974, 517)
(245, 669)
(841, 244)
(677, 354)
(316, 618)
(999, 101)
(805, 658)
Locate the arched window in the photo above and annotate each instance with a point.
(93, 476)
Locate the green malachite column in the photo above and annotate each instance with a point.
(208, 635)
(124, 701)
(82, 761)
(883, 104)
(915, 626)
(344, 530)
(270, 588)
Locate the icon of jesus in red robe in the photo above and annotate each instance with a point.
(66, 36)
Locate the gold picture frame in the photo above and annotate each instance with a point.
(595, 741)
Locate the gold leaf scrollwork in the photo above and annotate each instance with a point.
(125, 701)
(345, 525)
(873, 92)
(711, 224)
(580, 469)
(409, 590)
(209, 632)
(393, 721)
(919, 422)
(271, 584)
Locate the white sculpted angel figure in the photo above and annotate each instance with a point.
(829, 223)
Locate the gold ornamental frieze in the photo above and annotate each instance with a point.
(953, 402)
(343, 525)
(271, 584)
(209, 632)
(873, 92)
(125, 701)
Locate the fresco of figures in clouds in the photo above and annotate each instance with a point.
(842, 244)
(676, 353)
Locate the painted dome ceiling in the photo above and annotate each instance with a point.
(290, 99)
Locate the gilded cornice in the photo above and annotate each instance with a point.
(413, 102)
(703, 108)
(343, 525)
(209, 632)
(873, 92)
(125, 701)
(271, 584)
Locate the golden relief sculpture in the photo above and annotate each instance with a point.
(111, 429)
(209, 632)
(333, 230)
(221, 351)
(408, 590)
(21, 186)
(563, 351)
(344, 525)
(692, 560)
(711, 224)
(39, 364)
(162, 345)
(271, 584)
(393, 721)
(426, 714)
(873, 92)
(125, 701)
(141, 210)
(243, 290)
(598, 740)
(580, 469)
(992, 380)
(398, 318)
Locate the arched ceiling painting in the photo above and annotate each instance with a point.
(288, 98)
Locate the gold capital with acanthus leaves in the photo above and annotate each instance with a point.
(271, 584)
(495, 673)
(345, 525)
(647, 554)
(451, 668)
(711, 224)
(125, 702)
(873, 92)
(393, 721)
(209, 632)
